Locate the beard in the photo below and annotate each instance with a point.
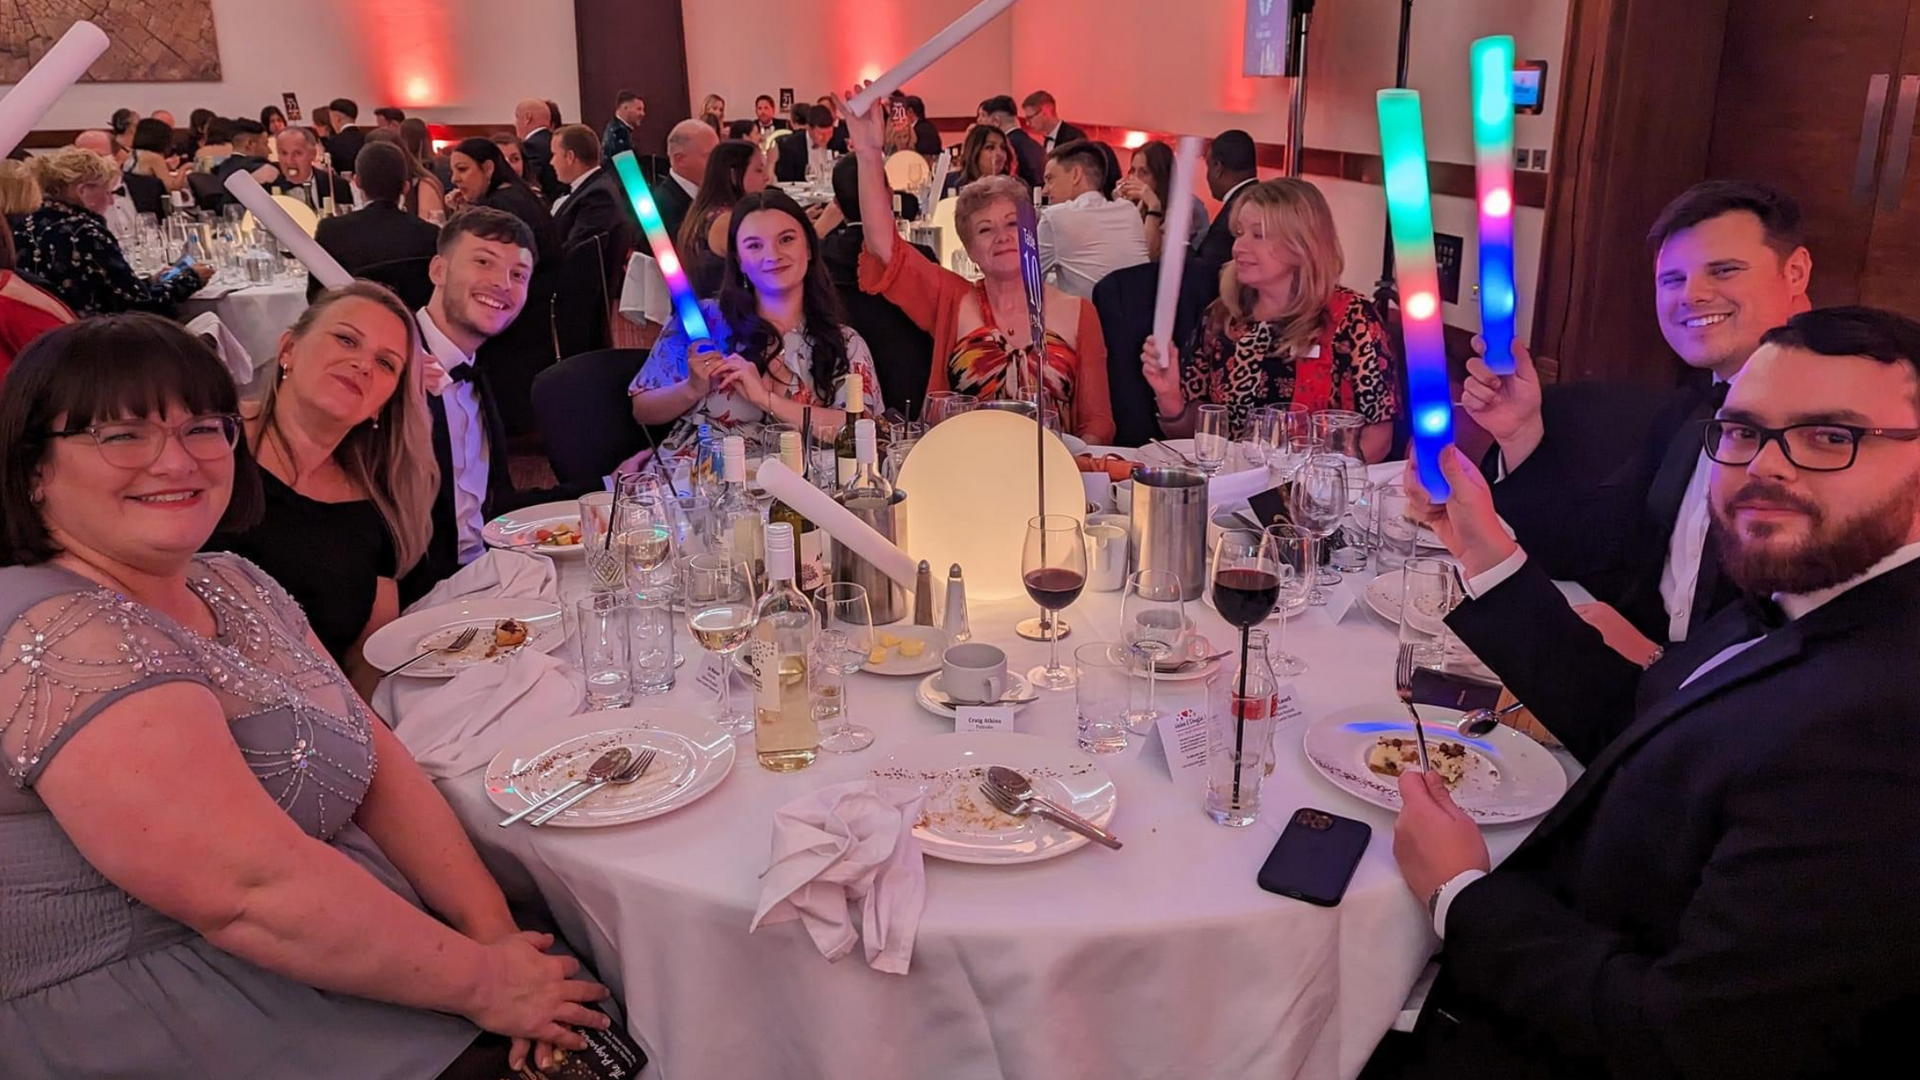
(1833, 553)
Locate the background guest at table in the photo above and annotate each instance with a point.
(152, 143)
(1149, 178)
(512, 149)
(1232, 168)
(215, 146)
(902, 351)
(343, 146)
(249, 153)
(838, 144)
(533, 123)
(735, 169)
(121, 126)
(806, 150)
(926, 137)
(194, 137)
(482, 177)
(780, 339)
(689, 145)
(379, 232)
(978, 327)
(422, 195)
(629, 109)
(387, 118)
(713, 111)
(984, 153)
(765, 122)
(26, 310)
(121, 214)
(67, 243)
(1689, 908)
(594, 206)
(283, 895)
(273, 120)
(345, 448)
(1084, 235)
(1284, 330)
(1042, 115)
(301, 175)
(1029, 160)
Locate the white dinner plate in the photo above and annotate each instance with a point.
(407, 636)
(1383, 594)
(933, 698)
(1510, 777)
(691, 757)
(515, 531)
(959, 824)
(932, 638)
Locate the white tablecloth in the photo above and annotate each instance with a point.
(1163, 960)
(256, 314)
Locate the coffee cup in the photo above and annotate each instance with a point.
(974, 673)
(1106, 557)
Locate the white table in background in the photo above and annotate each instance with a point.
(1163, 960)
(256, 314)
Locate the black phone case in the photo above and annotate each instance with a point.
(1315, 857)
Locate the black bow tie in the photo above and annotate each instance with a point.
(1718, 394)
(1763, 614)
(461, 373)
(121, 190)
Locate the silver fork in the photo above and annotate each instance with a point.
(1403, 683)
(465, 639)
(1007, 804)
(634, 771)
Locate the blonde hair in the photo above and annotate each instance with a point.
(976, 196)
(390, 458)
(62, 170)
(19, 191)
(1296, 216)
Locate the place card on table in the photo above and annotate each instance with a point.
(983, 718)
(1340, 599)
(1286, 706)
(1181, 741)
(713, 671)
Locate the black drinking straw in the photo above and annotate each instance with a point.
(1240, 716)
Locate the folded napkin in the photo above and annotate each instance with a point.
(497, 574)
(1238, 487)
(238, 361)
(843, 845)
(460, 726)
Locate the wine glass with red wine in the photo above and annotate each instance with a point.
(1054, 567)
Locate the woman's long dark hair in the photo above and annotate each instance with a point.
(977, 137)
(267, 116)
(723, 185)
(1159, 170)
(483, 151)
(825, 320)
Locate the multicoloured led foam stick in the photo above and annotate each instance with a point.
(685, 304)
(1403, 145)
(1493, 59)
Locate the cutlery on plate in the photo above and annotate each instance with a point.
(1012, 793)
(1184, 459)
(940, 698)
(604, 766)
(1403, 685)
(465, 639)
(1191, 663)
(1482, 721)
(635, 770)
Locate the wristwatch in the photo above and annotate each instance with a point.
(1433, 900)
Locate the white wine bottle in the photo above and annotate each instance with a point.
(843, 446)
(810, 544)
(737, 522)
(866, 488)
(786, 738)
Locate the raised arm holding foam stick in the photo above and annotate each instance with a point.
(277, 221)
(1403, 144)
(1173, 257)
(62, 66)
(923, 57)
(1493, 168)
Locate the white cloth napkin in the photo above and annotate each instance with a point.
(497, 574)
(1238, 487)
(238, 361)
(843, 845)
(460, 726)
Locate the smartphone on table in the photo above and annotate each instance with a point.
(1315, 857)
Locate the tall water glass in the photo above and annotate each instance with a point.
(650, 627)
(1395, 533)
(1353, 540)
(841, 649)
(1429, 592)
(1212, 438)
(1296, 550)
(601, 622)
(1104, 697)
(1338, 432)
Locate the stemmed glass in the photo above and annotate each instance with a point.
(1246, 585)
(644, 540)
(1212, 438)
(945, 405)
(1154, 625)
(1317, 502)
(720, 615)
(1295, 548)
(841, 648)
(1054, 567)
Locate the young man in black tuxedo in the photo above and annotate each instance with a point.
(379, 232)
(810, 145)
(1627, 516)
(594, 204)
(1042, 114)
(1029, 160)
(480, 278)
(348, 138)
(1728, 890)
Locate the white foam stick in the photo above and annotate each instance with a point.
(284, 229)
(1178, 221)
(33, 95)
(923, 57)
(935, 185)
(784, 484)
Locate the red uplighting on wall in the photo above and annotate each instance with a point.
(408, 49)
(866, 39)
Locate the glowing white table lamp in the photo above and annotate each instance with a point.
(970, 488)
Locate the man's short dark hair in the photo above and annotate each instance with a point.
(1779, 214)
(1085, 155)
(768, 98)
(344, 107)
(846, 186)
(1233, 151)
(818, 116)
(623, 97)
(1874, 333)
(1037, 99)
(488, 224)
(244, 126)
(390, 114)
(579, 140)
(1000, 104)
(381, 171)
(915, 106)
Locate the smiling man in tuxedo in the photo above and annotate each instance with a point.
(1728, 889)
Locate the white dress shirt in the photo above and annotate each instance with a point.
(690, 187)
(467, 433)
(1088, 237)
(578, 183)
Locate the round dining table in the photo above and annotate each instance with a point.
(1161, 960)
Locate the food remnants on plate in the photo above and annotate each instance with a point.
(564, 534)
(909, 648)
(1392, 755)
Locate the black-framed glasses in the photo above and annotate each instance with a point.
(136, 444)
(1812, 447)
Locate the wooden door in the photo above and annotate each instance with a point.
(1808, 90)
(637, 45)
(1891, 276)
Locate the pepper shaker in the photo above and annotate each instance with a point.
(923, 596)
(955, 621)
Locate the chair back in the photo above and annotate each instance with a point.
(580, 406)
(408, 278)
(577, 315)
(653, 167)
(208, 192)
(908, 170)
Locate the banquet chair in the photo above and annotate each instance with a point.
(1124, 301)
(907, 171)
(653, 167)
(208, 192)
(408, 278)
(577, 313)
(580, 406)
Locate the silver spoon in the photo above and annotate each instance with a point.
(603, 767)
(633, 770)
(1016, 787)
(1482, 721)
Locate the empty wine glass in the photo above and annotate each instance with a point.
(1338, 433)
(1211, 438)
(841, 648)
(1294, 546)
(720, 615)
(945, 405)
(1154, 626)
(1317, 502)
(1054, 567)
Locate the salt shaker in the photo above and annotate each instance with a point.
(923, 596)
(955, 621)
